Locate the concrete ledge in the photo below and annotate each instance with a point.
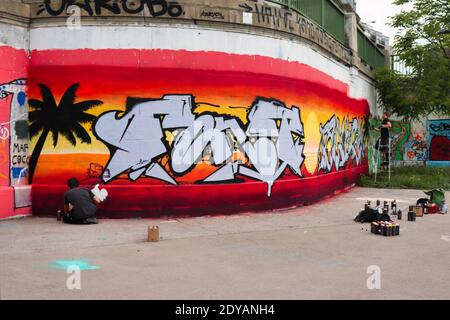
(247, 16)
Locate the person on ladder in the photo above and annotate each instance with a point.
(382, 144)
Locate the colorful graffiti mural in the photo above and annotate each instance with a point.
(402, 145)
(18, 132)
(14, 142)
(400, 134)
(416, 149)
(271, 140)
(341, 143)
(174, 135)
(439, 141)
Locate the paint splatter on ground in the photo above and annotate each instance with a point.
(83, 264)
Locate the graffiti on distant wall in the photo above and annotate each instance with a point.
(416, 148)
(402, 146)
(18, 132)
(400, 135)
(156, 8)
(439, 140)
(341, 142)
(272, 140)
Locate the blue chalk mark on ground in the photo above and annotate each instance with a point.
(83, 264)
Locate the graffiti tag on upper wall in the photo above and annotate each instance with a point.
(341, 142)
(440, 127)
(156, 8)
(272, 140)
(285, 19)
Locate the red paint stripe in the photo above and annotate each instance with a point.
(195, 200)
(182, 59)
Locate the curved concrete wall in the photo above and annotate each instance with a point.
(196, 121)
(177, 116)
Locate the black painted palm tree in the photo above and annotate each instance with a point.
(65, 119)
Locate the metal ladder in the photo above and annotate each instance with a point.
(389, 153)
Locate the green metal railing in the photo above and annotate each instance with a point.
(330, 17)
(400, 66)
(324, 12)
(334, 20)
(369, 52)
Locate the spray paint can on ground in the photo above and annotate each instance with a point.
(399, 215)
(386, 206)
(394, 207)
(411, 214)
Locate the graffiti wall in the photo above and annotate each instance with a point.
(179, 132)
(409, 143)
(14, 143)
(439, 142)
(18, 129)
(416, 149)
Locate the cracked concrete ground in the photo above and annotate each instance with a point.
(313, 252)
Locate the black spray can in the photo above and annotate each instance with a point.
(399, 214)
(383, 229)
(411, 214)
(394, 207)
(388, 230)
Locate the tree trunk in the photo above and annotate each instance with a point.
(36, 153)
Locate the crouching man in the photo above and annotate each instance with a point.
(80, 204)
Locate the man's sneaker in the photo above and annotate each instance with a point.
(90, 221)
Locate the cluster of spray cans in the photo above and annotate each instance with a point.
(385, 228)
(385, 208)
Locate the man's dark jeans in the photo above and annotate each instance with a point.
(69, 219)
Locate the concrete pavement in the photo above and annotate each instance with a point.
(312, 252)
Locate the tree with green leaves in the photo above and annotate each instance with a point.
(423, 45)
(65, 118)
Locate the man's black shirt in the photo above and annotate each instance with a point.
(81, 200)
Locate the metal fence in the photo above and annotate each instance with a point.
(400, 66)
(330, 17)
(324, 12)
(369, 52)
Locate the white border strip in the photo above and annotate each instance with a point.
(14, 36)
(183, 38)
